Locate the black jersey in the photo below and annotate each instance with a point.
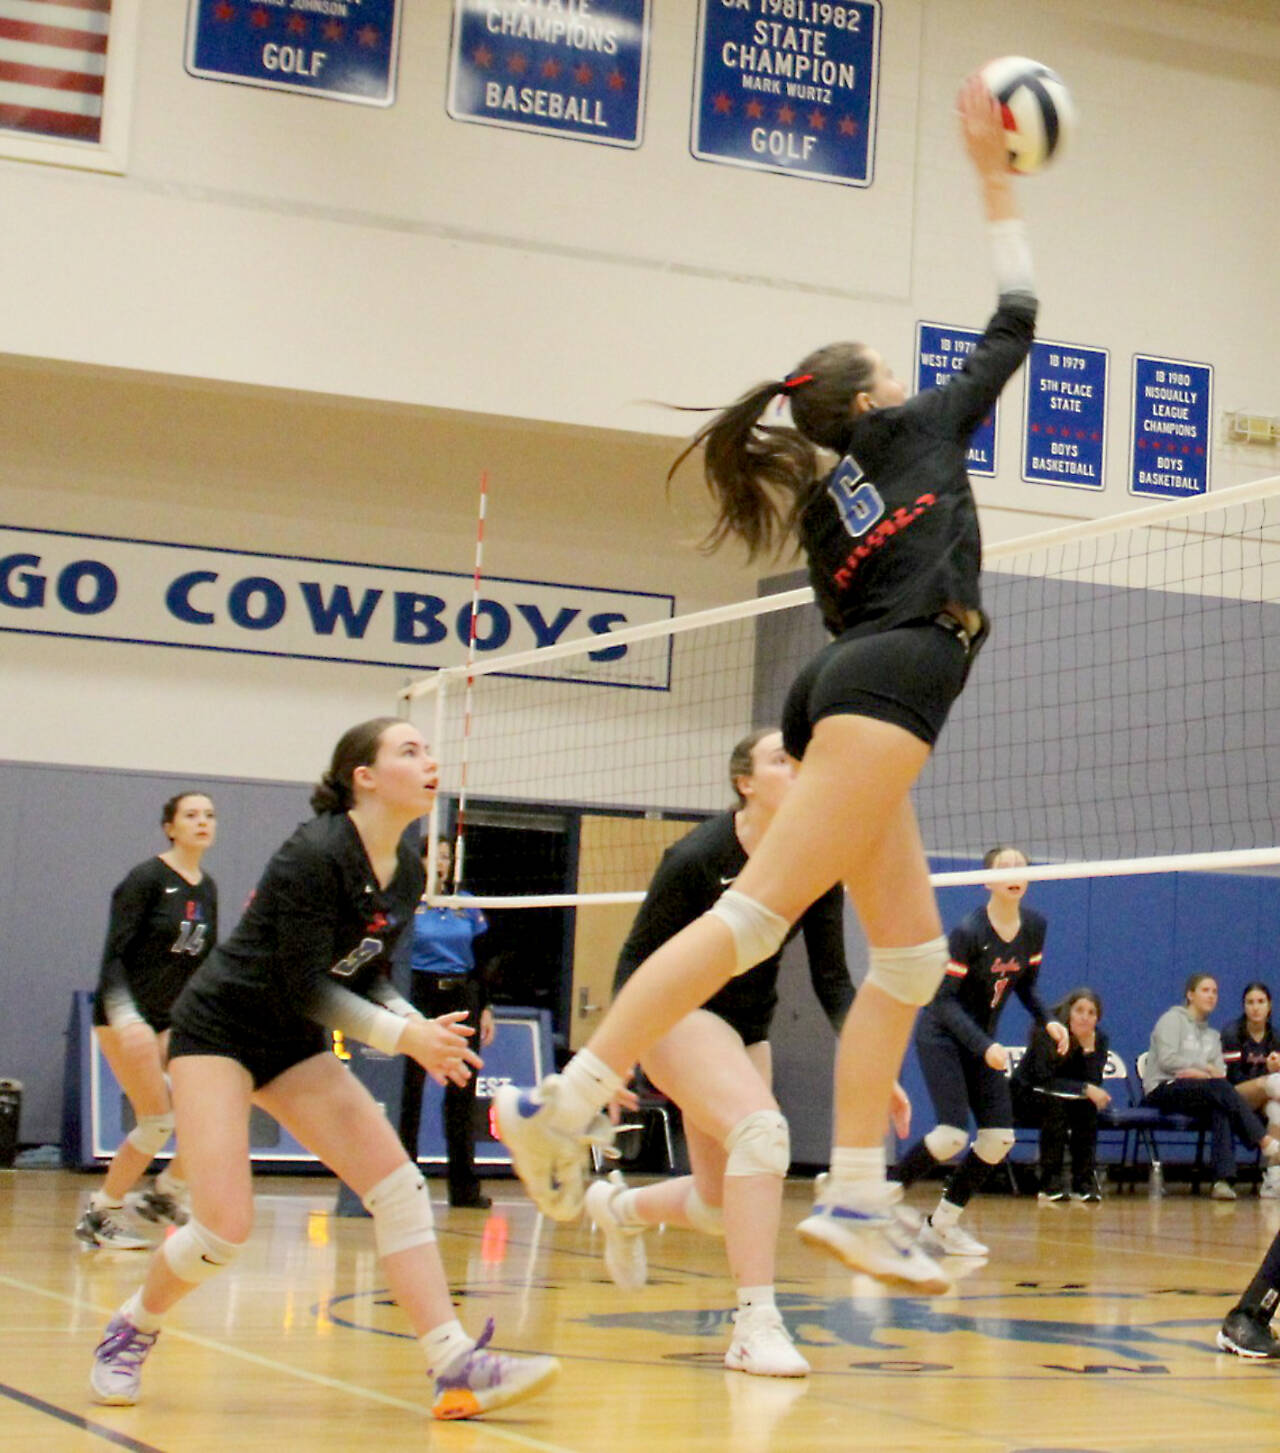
(891, 534)
(314, 946)
(1043, 1068)
(160, 931)
(1244, 1056)
(983, 968)
(693, 873)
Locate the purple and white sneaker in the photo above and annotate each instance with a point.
(117, 1362)
(482, 1381)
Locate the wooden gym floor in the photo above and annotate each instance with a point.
(1089, 1328)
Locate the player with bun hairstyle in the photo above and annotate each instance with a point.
(313, 954)
(163, 925)
(891, 535)
(716, 1065)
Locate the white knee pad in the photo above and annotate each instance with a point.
(759, 1145)
(1272, 1112)
(945, 1142)
(1273, 1087)
(909, 975)
(401, 1211)
(195, 1254)
(707, 1219)
(993, 1145)
(758, 932)
(151, 1134)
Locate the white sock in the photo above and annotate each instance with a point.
(586, 1085)
(856, 1165)
(749, 1297)
(945, 1214)
(133, 1311)
(100, 1201)
(444, 1345)
(624, 1208)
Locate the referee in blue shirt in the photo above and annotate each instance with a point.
(445, 980)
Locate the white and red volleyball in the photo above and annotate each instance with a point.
(1036, 106)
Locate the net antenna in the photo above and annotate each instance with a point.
(1121, 720)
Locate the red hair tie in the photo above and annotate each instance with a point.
(790, 385)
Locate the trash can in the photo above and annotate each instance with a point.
(10, 1107)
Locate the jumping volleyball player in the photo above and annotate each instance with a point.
(891, 535)
(163, 925)
(716, 1065)
(313, 953)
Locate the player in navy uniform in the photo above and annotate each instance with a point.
(313, 954)
(1251, 1053)
(891, 535)
(994, 953)
(716, 1065)
(164, 922)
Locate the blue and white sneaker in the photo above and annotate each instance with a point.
(117, 1362)
(865, 1228)
(551, 1162)
(484, 1380)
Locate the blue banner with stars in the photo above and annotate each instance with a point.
(788, 86)
(574, 68)
(344, 50)
(940, 352)
(1172, 427)
(1065, 438)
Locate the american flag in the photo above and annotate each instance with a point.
(53, 62)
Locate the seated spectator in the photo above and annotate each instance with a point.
(1062, 1094)
(1251, 1051)
(1185, 1075)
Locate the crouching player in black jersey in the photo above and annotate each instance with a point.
(716, 1065)
(163, 925)
(891, 535)
(312, 954)
(994, 950)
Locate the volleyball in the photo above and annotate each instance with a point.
(1036, 106)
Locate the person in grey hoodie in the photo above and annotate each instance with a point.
(1185, 1074)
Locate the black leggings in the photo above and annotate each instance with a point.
(1060, 1121)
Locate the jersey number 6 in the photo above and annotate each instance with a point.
(856, 499)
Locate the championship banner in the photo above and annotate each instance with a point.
(940, 352)
(1172, 424)
(343, 50)
(788, 86)
(570, 68)
(1065, 419)
(149, 592)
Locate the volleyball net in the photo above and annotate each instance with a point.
(1121, 719)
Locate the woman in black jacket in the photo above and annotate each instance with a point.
(1062, 1094)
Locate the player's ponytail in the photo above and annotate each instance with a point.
(761, 475)
(357, 747)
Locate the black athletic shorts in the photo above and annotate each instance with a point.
(264, 1063)
(908, 676)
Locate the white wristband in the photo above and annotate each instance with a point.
(1011, 254)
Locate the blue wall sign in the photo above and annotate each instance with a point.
(1065, 422)
(574, 68)
(788, 86)
(342, 49)
(1172, 419)
(940, 352)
